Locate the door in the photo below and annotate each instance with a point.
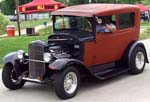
(110, 46)
(106, 42)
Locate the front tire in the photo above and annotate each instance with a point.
(137, 61)
(67, 82)
(9, 78)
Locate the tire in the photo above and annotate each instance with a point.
(137, 67)
(9, 78)
(59, 83)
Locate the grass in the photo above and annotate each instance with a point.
(45, 31)
(25, 24)
(1, 66)
(145, 34)
(145, 23)
(2, 32)
(8, 45)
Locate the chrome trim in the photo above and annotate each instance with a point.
(32, 80)
(35, 60)
(70, 83)
(140, 60)
(57, 39)
(35, 71)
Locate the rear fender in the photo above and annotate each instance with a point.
(134, 45)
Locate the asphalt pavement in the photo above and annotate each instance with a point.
(123, 88)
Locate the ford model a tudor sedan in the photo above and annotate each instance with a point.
(99, 40)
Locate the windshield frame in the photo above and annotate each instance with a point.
(92, 23)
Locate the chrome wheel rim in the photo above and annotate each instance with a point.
(140, 60)
(14, 78)
(70, 83)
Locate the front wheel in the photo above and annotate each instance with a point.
(67, 82)
(10, 79)
(137, 61)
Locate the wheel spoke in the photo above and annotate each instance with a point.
(140, 60)
(70, 82)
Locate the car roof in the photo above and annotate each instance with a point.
(96, 9)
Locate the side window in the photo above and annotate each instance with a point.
(126, 20)
(106, 24)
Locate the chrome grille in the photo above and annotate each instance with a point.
(36, 69)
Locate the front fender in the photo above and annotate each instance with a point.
(10, 58)
(61, 64)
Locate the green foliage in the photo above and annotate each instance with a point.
(146, 2)
(46, 31)
(145, 24)
(145, 34)
(74, 2)
(21, 2)
(8, 45)
(8, 7)
(3, 23)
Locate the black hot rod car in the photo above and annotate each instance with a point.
(76, 49)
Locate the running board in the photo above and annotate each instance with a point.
(110, 73)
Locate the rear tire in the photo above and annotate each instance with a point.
(137, 61)
(10, 79)
(67, 82)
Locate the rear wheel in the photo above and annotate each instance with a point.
(67, 83)
(10, 78)
(137, 61)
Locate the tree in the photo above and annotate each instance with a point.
(21, 2)
(3, 23)
(8, 6)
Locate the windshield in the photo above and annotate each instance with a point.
(75, 23)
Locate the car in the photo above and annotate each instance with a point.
(12, 18)
(77, 50)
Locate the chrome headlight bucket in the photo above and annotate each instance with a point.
(20, 54)
(47, 57)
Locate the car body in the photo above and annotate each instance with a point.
(76, 50)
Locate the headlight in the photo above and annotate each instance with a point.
(47, 57)
(20, 54)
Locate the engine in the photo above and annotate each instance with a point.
(58, 52)
(63, 46)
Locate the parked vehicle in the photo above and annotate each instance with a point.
(12, 18)
(76, 50)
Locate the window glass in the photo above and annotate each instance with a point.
(106, 24)
(126, 20)
(73, 23)
(113, 17)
